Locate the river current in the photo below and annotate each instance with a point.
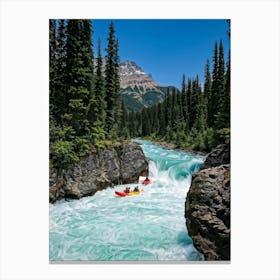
(146, 227)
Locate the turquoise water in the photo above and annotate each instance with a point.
(146, 227)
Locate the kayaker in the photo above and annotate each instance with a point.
(127, 189)
(146, 181)
(136, 189)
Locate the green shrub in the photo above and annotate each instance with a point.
(224, 135)
(62, 154)
(81, 147)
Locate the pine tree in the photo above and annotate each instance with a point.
(52, 63)
(79, 78)
(175, 111)
(219, 86)
(193, 103)
(112, 92)
(223, 116)
(161, 116)
(228, 31)
(180, 106)
(87, 55)
(168, 108)
(61, 74)
(146, 123)
(138, 123)
(118, 110)
(207, 89)
(221, 75)
(212, 102)
(99, 88)
(132, 124)
(156, 120)
(189, 102)
(185, 108)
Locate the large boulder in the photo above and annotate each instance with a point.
(132, 163)
(208, 212)
(120, 163)
(219, 155)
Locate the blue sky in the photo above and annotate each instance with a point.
(167, 49)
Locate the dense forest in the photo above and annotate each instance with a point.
(87, 111)
(196, 118)
(85, 105)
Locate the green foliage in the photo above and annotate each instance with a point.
(66, 133)
(85, 106)
(99, 104)
(62, 154)
(181, 136)
(98, 135)
(112, 86)
(81, 147)
(114, 132)
(86, 111)
(224, 135)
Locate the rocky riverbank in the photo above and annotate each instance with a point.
(119, 163)
(207, 209)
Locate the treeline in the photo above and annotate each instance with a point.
(195, 117)
(86, 109)
(85, 104)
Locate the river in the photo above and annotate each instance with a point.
(146, 227)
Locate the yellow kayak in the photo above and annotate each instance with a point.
(128, 194)
(134, 193)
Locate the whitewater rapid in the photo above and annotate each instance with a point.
(146, 227)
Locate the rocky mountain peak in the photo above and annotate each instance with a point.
(131, 75)
(128, 68)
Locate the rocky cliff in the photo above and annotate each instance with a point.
(121, 163)
(207, 209)
(219, 155)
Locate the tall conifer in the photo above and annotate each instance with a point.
(213, 101)
(207, 88)
(52, 63)
(223, 116)
(184, 100)
(79, 78)
(112, 92)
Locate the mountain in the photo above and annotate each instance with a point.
(131, 75)
(138, 89)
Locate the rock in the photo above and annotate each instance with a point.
(56, 190)
(121, 163)
(131, 163)
(219, 155)
(207, 212)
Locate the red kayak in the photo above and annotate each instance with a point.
(120, 193)
(146, 182)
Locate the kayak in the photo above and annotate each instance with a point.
(146, 183)
(127, 194)
(142, 181)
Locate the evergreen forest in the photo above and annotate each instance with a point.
(87, 113)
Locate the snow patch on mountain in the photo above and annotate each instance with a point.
(128, 68)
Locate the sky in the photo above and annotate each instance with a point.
(166, 49)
